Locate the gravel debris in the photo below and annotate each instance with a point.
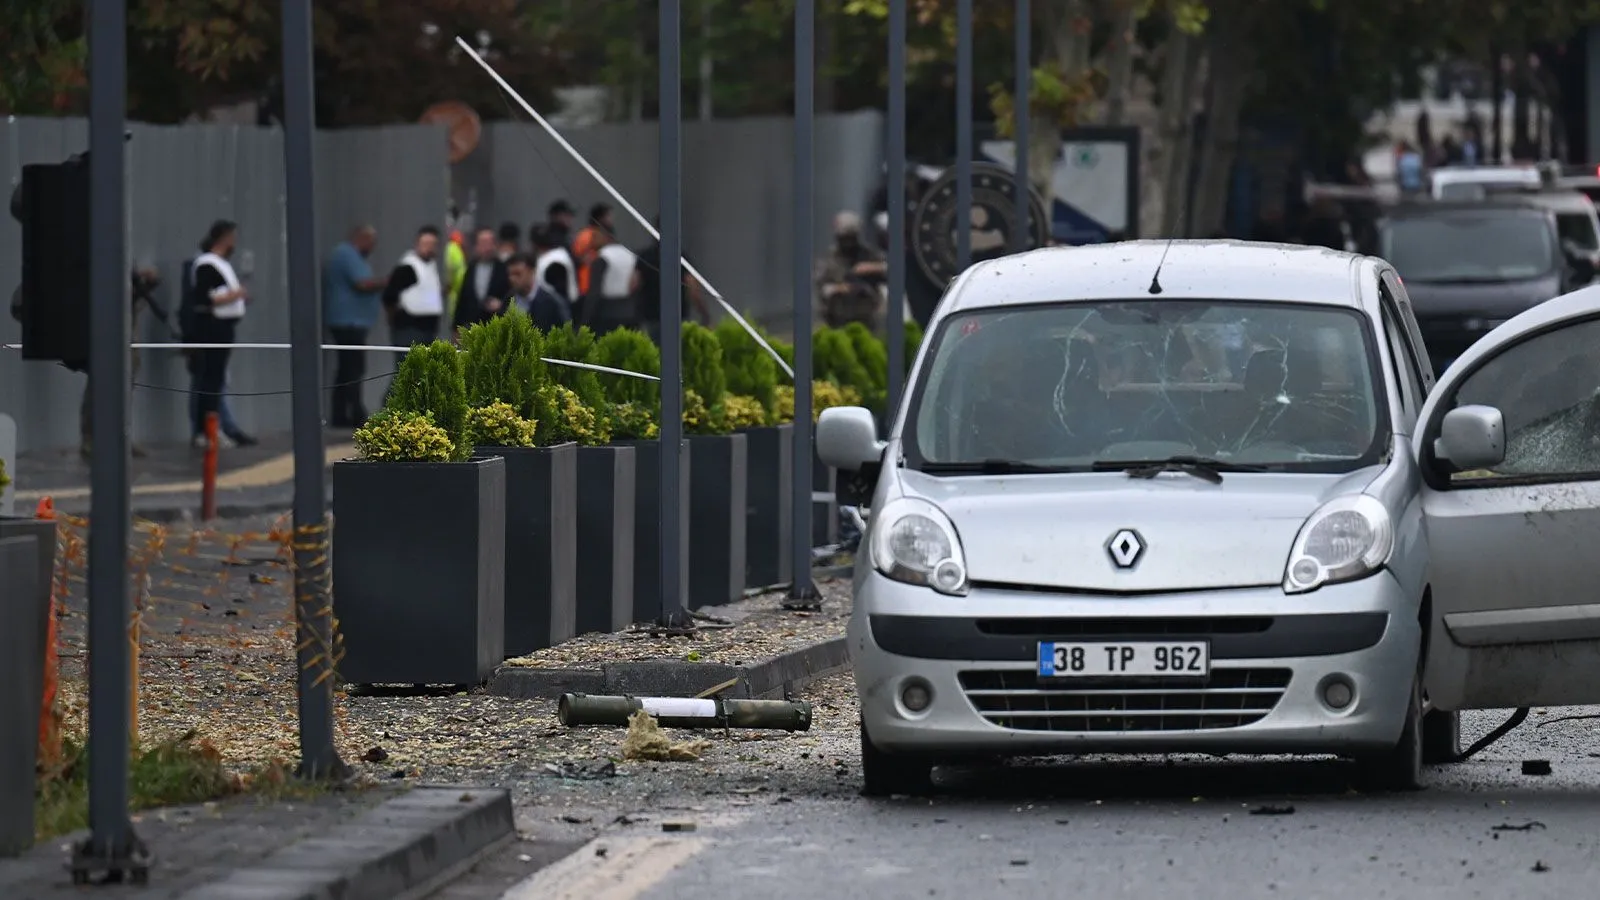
(231, 678)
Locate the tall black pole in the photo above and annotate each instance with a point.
(802, 591)
(963, 216)
(895, 327)
(673, 539)
(1021, 119)
(313, 610)
(112, 848)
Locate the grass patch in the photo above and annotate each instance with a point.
(175, 772)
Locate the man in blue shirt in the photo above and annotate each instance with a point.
(350, 297)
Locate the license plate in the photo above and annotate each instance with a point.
(1190, 659)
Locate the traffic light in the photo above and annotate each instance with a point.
(52, 205)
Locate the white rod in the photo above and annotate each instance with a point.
(376, 349)
(623, 201)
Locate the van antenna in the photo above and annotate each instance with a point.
(1155, 279)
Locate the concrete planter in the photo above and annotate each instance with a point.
(27, 564)
(769, 504)
(419, 570)
(647, 526)
(607, 503)
(718, 473)
(541, 559)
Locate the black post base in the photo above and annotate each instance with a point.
(334, 772)
(676, 619)
(803, 595)
(97, 862)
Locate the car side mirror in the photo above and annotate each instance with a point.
(1472, 437)
(847, 438)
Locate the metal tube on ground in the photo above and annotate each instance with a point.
(583, 710)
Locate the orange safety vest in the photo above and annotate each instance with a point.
(584, 251)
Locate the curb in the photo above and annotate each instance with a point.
(770, 679)
(400, 848)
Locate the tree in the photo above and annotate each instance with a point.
(44, 56)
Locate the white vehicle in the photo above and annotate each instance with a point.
(1576, 219)
(1470, 182)
(1225, 509)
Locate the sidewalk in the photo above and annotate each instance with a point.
(166, 484)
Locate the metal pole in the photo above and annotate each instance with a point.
(112, 848)
(313, 609)
(802, 592)
(1021, 132)
(895, 328)
(674, 541)
(963, 215)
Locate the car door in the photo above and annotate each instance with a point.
(1515, 615)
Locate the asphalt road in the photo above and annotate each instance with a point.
(1184, 828)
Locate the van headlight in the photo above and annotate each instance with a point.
(914, 542)
(1347, 538)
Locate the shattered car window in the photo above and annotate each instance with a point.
(1548, 392)
(1278, 385)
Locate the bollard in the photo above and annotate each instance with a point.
(577, 710)
(208, 482)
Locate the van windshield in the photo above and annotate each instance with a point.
(1473, 247)
(1283, 386)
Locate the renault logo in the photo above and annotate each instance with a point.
(1125, 548)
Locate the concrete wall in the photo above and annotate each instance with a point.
(180, 179)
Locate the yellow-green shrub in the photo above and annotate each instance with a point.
(633, 422)
(499, 425)
(403, 436)
(568, 419)
(741, 412)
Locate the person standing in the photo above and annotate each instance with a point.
(552, 263)
(586, 246)
(647, 290)
(486, 286)
(609, 302)
(559, 218)
(547, 308)
(413, 297)
(351, 293)
(510, 239)
(218, 301)
(850, 287)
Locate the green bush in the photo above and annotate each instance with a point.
(742, 412)
(501, 362)
(784, 348)
(749, 368)
(575, 345)
(499, 425)
(703, 375)
(432, 382)
(631, 351)
(403, 436)
(833, 358)
(874, 359)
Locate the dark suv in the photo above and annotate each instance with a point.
(1470, 266)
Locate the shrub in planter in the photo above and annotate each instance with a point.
(834, 359)
(419, 538)
(631, 351)
(748, 367)
(632, 421)
(502, 362)
(874, 359)
(499, 425)
(575, 345)
(741, 413)
(703, 376)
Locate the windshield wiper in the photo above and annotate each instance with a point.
(1199, 466)
(988, 467)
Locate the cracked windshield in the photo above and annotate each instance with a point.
(1548, 390)
(1066, 386)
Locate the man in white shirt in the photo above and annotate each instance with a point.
(552, 264)
(414, 297)
(610, 303)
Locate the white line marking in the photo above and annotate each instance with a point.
(630, 867)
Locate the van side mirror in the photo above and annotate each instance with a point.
(1472, 437)
(847, 438)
